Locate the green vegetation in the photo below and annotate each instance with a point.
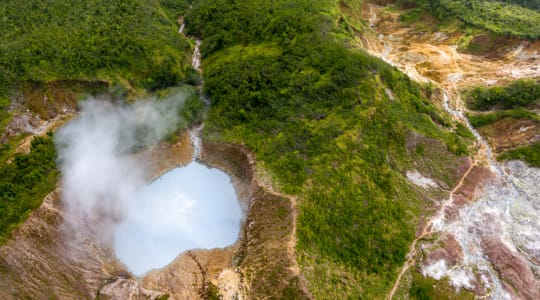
(192, 111)
(529, 154)
(316, 113)
(5, 116)
(425, 288)
(509, 18)
(480, 120)
(520, 93)
(350, 18)
(24, 182)
(132, 42)
(174, 8)
(127, 44)
(497, 16)
(463, 131)
(532, 4)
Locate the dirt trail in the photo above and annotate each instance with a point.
(428, 229)
(266, 183)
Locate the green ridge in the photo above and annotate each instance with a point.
(92, 40)
(318, 114)
(508, 17)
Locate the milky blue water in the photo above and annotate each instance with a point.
(193, 207)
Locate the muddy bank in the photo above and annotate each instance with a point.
(258, 265)
(509, 133)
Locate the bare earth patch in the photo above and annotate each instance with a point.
(510, 133)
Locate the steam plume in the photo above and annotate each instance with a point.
(98, 176)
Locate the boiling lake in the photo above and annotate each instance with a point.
(192, 207)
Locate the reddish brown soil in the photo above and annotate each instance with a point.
(468, 190)
(510, 133)
(451, 253)
(515, 273)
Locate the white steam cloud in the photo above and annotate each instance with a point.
(98, 176)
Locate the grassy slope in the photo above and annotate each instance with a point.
(483, 119)
(426, 288)
(501, 17)
(520, 93)
(132, 43)
(317, 115)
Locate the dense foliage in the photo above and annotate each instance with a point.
(533, 4)
(99, 40)
(511, 18)
(529, 154)
(224, 23)
(319, 117)
(24, 182)
(4, 114)
(479, 120)
(520, 93)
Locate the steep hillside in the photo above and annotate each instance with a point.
(334, 126)
(96, 40)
